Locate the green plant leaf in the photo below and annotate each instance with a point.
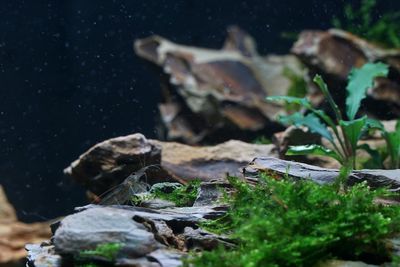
(291, 100)
(376, 160)
(360, 80)
(315, 150)
(393, 146)
(324, 88)
(353, 130)
(311, 121)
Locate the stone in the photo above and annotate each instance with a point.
(340, 263)
(15, 234)
(374, 178)
(95, 226)
(204, 240)
(108, 163)
(207, 163)
(42, 255)
(210, 193)
(105, 167)
(334, 53)
(217, 95)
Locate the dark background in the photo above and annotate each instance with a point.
(69, 77)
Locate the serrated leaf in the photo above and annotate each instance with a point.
(291, 100)
(359, 81)
(315, 150)
(353, 130)
(393, 143)
(311, 121)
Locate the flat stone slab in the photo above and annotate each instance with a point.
(375, 178)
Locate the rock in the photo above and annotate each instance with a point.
(164, 187)
(108, 163)
(157, 204)
(184, 162)
(210, 193)
(294, 136)
(148, 237)
(334, 53)
(92, 227)
(167, 258)
(14, 234)
(374, 178)
(201, 239)
(340, 263)
(42, 255)
(217, 95)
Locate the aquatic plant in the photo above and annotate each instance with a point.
(344, 142)
(383, 30)
(299, 223)
(107, 251)
(182, 196)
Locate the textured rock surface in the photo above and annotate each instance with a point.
(108, 163)
(148, 237)
(375, 178)
(14, 234)
(89, 228)
(217, 95)
(333, 53)
(184, 162)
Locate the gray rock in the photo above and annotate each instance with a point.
(89, 228)
(42, 255)
(164, 187)
(167, 257)
(209, 193)
(157, 204)
(375, 178)
(204, 240)
(340, 263)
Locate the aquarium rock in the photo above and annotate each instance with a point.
(108, 163)
(216, 95)
(374, 178)
(334, 53)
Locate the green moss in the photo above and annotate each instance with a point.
(108, 251)
(182, 196)
(287, 223)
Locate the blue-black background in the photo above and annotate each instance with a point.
(69, 77)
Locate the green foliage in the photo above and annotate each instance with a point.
(286, 223)
(182, 196)
(360, 80)
(108, 251)
(345, 148)
(262, 140)
(298, 88)
(384, 30)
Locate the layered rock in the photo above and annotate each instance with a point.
(217, 95)
(334, 53)
(108, 163)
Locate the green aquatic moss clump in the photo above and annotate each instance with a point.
(182, 196)
(108, 251)
(287, 223)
